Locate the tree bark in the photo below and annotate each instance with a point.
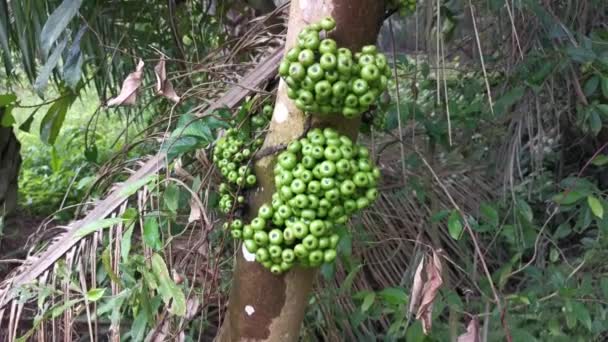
(265, 307)
(10, 161)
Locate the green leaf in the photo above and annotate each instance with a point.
(454, 225)
(591, 85)
(45, 73)
(350, 278)
(53, 120)
(107, 265)
(7, 119)
(523, 208)
(7, 99)
(368, 301)
(152, 234)
(604, 286)
(605, 87)
(72, 68)
(138, 184)
(568, 197)
(490, 214)
(600, 160)
(394, 295)
(138, 328)
(59, 309)
(582, 314)
(595, 121)
(603, 109)
(57, 23)
(508, 99)
(5, 33)
(169, 291)
(125, 244)
(113, 303)
(98, 224)
(596, 206)
(94, 295)
(171, 197)
(581, 54)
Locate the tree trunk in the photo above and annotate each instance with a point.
(265, 307)
(10, 160)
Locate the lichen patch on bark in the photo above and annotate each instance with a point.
(249, 257)
(281, 113)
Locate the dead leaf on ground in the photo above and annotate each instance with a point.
(128, 92)
(427, 282)
(472, 334)
(163, 84)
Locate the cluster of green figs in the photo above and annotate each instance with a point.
(232, 154)
(323, 78)
(321, 180)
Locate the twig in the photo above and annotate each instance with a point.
(477, 250)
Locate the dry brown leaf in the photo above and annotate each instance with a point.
(192, 306)
(195, 211)
(128, 92)
(433, 270)
(417, 287)
(472, 334)
(163, 84)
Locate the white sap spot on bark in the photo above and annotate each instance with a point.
(280, 113)
(248, 256)
(249, 310)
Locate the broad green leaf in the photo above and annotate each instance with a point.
(595, 121)
(94, 295)
(582, 314)
(7, 119)
(25, 126)
(60, 308)
(394, 295)
(170, 292)
(523, 208)
(152, 233)
(45, 73)
(581, 54)
(437, 217)
(604, 286)
(328, 271)
(125, 244)
(596, 206)
(604, 85)
(568, 197)
(132, 188)
(508, 99)
(57, 23)
(553, 255)
(591, 85)
(53, 119)
(350, 278)
(138, 328)
(113, 303)
(171, 197)
(7, 99)
(98, 224)
(454, 225)
(368, 301)
(600, 160)
(490, 214)
(603, 110)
